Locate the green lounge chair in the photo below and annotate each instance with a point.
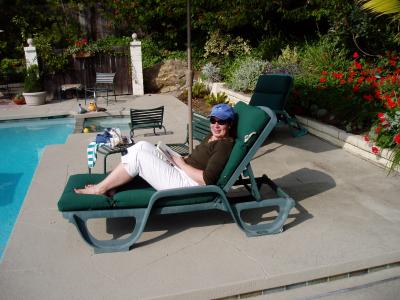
(137, 199)
(272, 90)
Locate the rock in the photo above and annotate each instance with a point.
(165, 77)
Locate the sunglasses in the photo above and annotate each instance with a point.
(220, 122)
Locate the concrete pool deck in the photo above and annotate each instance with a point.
(342, 241)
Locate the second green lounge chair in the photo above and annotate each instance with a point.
(273, 90)
(139, 200)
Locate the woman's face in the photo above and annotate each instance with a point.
(219, 128)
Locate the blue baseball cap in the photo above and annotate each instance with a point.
(222, 112)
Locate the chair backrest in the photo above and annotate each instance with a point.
(254, 124)
(105, 78)
(200, 127)
(141, 118)
(272, 90)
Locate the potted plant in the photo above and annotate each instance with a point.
(18, 99)
(33, 91)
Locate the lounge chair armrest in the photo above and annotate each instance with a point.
(270, 113)
(194, 190)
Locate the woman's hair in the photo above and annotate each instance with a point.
(232, 123)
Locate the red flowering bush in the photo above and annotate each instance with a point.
(364, 96)
(79, 46)
(385, 133)
(81, 43)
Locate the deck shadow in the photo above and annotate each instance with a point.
(301, 184)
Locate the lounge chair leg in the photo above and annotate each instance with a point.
(296, 130)
(276, 226)
(79, 219)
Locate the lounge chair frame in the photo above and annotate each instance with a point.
(220, 202)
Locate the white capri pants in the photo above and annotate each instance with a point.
(142, 160)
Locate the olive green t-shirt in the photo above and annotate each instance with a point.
(211, 157)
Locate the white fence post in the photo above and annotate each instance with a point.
(136, 65)
(30, 54)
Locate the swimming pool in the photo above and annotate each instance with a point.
(98, 124)
(22, 143)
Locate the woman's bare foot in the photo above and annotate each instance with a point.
(90, 189)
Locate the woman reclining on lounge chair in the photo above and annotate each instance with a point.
(202, 167)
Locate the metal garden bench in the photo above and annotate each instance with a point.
(147, 118)
(200, 129)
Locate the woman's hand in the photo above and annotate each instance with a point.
(179, 161)
(195, 174)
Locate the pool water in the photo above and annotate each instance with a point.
(100, 123)
(22, 143)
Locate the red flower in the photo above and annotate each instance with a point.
(366, 138)
(396, 138)
(322, 79)
(350, 80)
(367, 97)
(391, 103)
(355, 55)
(392, 62)
(375, 150)
(337, 75)
(324, 73)
(381, 115)
(356, 88)
(360, 80)
(342, 81)
(357, 65)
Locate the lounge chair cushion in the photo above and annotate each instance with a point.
(135, 194)
(71, 201)
(250, 123)
(272, 90)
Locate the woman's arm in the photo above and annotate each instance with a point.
(195, 174)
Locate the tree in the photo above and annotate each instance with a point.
(383, 7)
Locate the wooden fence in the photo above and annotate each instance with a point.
(83, 70)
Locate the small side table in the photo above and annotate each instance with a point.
(106, 151)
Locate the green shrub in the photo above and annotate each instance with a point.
(219, 98)
(228, 67)
(287, 62)
(317, 57)
(211, 73)
(177, 54)
(269, 47)
(199, 90)
(245, 76)
(150, 53)
(219, 45)
(32, 83)
(12, 70)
